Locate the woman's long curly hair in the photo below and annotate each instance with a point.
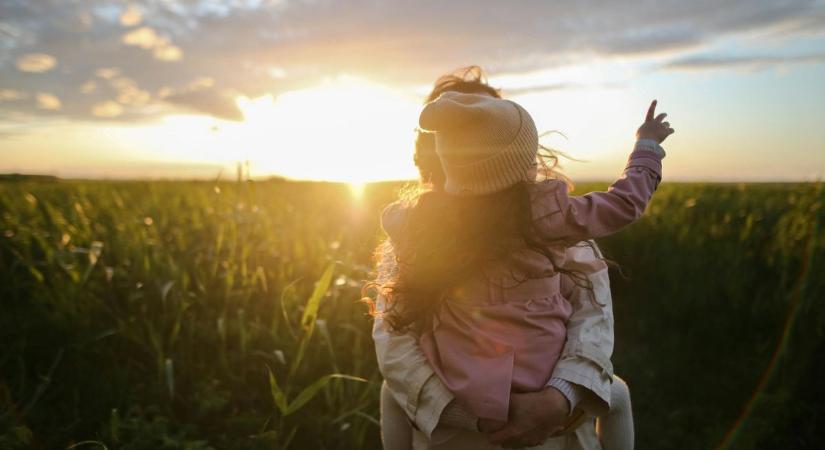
(446, 239)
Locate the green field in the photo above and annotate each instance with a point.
(193, 315)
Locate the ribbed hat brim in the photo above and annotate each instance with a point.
(506, 167)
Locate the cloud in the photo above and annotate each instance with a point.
(107, 109)
(557, 87)
(214, 103)
(697, 63)
(143, 37)
(9, 135)
(36, 63)
(277, 72)
(107, 72)
(7, 95)
(48, 102)
(642, 41)
(147, 39)
(88, 87)
(131, 16)
(258, 47)
(126, 86)
(168, 52)
(133, 96)
(201, 83)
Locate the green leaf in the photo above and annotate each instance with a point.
(310, 315)
(164, 290)
(309, 392)
(23, 434)
(277, 394)
(85, 443)
(38, 275)
(314, 301)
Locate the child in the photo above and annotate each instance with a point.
(480, 265)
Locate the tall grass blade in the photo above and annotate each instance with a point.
(314, 301)
(278, 396)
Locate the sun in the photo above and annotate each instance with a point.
(357, 188)
(346, 129)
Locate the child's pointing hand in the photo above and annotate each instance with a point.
(654, 127)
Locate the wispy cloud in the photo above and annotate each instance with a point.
(558, 87)
(697, 63)
(212, 102)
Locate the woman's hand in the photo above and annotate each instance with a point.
(654, 128)
(534, 416)
(490, 425)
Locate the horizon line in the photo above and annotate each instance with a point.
(22, 176)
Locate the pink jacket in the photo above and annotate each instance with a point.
(495, 335)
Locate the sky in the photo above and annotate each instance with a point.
(331, 90)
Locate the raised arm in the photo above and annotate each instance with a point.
(569, 219)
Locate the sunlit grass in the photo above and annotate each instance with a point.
(189, 314)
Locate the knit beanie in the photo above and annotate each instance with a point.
(485, 144)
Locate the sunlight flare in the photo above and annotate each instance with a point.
(347, 129)
(357, 189)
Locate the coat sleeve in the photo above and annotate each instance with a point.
(409, 376)
(570, 219)
(412, 382)
(585, 359)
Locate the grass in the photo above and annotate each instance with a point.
(195, 315)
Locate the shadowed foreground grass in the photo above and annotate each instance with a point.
(193, 315)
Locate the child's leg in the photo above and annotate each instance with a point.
(396, 432)
(615, 429)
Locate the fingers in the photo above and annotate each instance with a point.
(666, 124)
(651, 111)
(661, 117)
(534, 439)
(509, 432)
(531, 439)
(516, 436)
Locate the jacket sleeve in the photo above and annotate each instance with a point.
(411, 380)
(569, 219)
(409, 376)
(585, 359)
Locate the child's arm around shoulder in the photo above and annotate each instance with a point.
(561, 216)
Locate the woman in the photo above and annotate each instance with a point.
(582, 379)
